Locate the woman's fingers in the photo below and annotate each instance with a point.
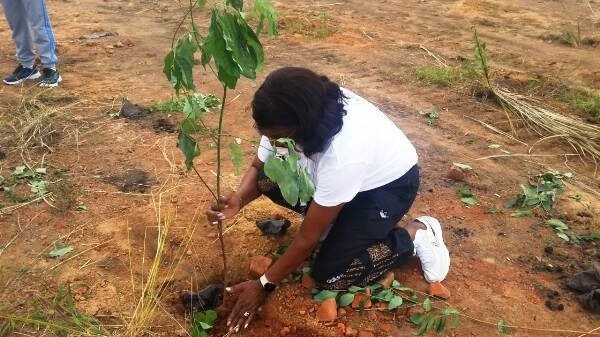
(250, 317)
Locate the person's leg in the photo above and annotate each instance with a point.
(364, 242)
(39, 22)
(15, 15)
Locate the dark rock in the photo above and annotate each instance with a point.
(554, 306)
(130, 110)
(549, 250)
(273, 227)
(208, 298)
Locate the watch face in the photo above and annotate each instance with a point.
(269, 287)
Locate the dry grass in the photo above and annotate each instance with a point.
(583, 137)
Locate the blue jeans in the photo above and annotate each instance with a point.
(30, 25)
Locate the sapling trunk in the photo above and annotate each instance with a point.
(220, 223)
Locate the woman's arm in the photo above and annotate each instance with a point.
(230, 205)
(252, 294)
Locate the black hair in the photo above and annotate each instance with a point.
(299, 99)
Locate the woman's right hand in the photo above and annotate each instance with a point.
(226, 208)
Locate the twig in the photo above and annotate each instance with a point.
(496, 130)
(593, 330)
(527, 155)
(219, 222)
(439, 59)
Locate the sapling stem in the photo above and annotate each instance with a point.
(220, 223)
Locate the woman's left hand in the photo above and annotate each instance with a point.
(251, 295)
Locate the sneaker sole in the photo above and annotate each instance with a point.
(33, 76)
(53, 85)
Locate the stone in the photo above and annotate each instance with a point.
(363, 333)
(437, 289)
(327, 311)
(381, 305)
(307, 281)
(363, 299)
(456, 174)
(259, 265)
(387, 280)
(350, 332)
(284, 331)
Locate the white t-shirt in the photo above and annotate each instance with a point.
(368, 152)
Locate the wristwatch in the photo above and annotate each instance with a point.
(267, 285)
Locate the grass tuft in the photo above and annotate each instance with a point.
(584, 100)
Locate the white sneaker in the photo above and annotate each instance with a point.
(431, 250)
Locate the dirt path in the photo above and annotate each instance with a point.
(500, 268)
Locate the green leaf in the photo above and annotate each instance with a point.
(417, 319)
(423, 326)
(449, 311)
(502, 329)
(38, 187)
(469, 200)
(305, 185)
(187, 144)
(354, 289)
(556, 224)
(395, 284)
(242, 42)
(237, 156)
(60, 252)
(465, 192)
(395, 302)
(214, 47)
(427, 304)
(431, 323)
(205, 326)
(210, 316)
(179, 63)
(346, 299)
(41, 170)
(563, 236)
(201, 3)
(325, 294)
(276, 169)
(441, 324)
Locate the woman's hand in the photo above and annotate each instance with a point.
(251, 295)
(227, 208)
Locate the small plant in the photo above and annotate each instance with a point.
(584, 100)
(562, 230)
(467, 196)
(432, 116)
(202, 322)
(438, 75)
(36, 179)
(231, 49)
(572, 37)
(395, 297)
(541, 192)
(312, 24)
